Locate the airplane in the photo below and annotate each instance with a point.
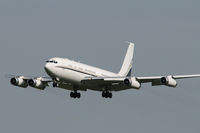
(75, 76)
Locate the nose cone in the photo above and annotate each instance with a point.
(47, 68)
(50, 69)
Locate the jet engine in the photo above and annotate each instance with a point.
(169, 81)
(132, 82)
(36, 83)
(18, 81)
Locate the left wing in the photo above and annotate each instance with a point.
(165, 80)
(23, 81)
(135, 82)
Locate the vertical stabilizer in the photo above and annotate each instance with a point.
(128, 60)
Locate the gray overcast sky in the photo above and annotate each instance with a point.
(167, 38)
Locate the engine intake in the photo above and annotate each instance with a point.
(126, 81)
(169, 81)
(19, 82)
(164, 80)
(36, 83)
(31, 82)
(132, 82)
(13, 81)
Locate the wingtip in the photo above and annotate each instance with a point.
(8, 76)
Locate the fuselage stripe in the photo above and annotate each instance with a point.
(77, 70)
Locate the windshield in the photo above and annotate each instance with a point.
(52, 61)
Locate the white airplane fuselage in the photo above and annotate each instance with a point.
(68, 71)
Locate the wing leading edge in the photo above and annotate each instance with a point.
(154, 78)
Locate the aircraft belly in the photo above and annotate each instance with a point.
(69, 86)
(105, 87)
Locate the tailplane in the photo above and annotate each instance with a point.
(128, 60)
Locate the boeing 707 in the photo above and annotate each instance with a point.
(75, 76)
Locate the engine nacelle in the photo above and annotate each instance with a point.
(169, 81)
(132, 82)
(19, 82)
(36, 83)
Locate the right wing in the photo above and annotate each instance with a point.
(23, 81)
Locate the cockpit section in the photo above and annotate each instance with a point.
(50, 66)
(52, 61)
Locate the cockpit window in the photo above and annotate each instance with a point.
(52, 61)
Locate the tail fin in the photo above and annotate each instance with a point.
(128, 60)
